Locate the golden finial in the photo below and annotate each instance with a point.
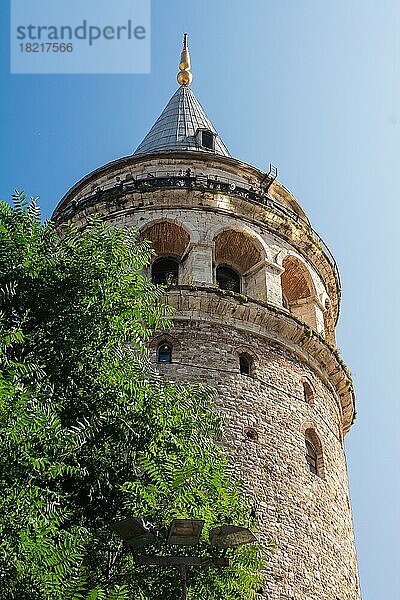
(184, 76)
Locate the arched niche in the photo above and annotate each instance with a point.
(171, 243)
(308, 391)
(242, 252)
(314, 453)
(246, 360)
(167, 238)
(298, 291)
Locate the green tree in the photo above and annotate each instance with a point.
(89, 433)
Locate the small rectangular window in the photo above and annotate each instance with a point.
(207, 139)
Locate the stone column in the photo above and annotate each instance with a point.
(309, 310)
(197, 265)
(273, 273)
(255, 282)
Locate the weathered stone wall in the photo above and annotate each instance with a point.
(308, 516)
(108, 192)
(254, 251)
(283, 321)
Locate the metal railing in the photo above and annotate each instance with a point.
(159, 180)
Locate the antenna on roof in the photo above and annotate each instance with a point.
(269, 177)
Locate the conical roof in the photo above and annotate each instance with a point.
(180, 127)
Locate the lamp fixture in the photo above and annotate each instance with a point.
(136, 532)
(229, 536)
(185, 532)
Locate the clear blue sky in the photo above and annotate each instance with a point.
(312, 86)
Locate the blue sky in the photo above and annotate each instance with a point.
(312, 86)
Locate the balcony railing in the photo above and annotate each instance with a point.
(155, 181)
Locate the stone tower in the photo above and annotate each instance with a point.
(257, 296)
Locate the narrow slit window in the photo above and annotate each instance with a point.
(308, 393)
(164, 353)
(244, 364)
(311, 457)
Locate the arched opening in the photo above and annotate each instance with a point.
(298, 294)
(167, 239)
(170, 242)
(244, 256)
(245, 365)
(228, 279)
(308, 392)
(164, 353)
(313, 453)
(295, 280)
(311, 457)
(251, 434)
(164, 271)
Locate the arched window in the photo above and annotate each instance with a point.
(314, 456)
(308, 393)
(228, 279)
(164, 271)
(298, 291)
(311, 457)
(164, 353)
(244, 364)
(236, 252)
(251, 434)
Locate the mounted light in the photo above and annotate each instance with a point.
(185, 532)
(136, 532)
(228, 536)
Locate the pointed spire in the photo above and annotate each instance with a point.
(184, 76)
(179, 127)
(183, 124)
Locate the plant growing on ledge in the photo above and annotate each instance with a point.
(114, 194)
(215, 190)
(89, 433)
(145, 187)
